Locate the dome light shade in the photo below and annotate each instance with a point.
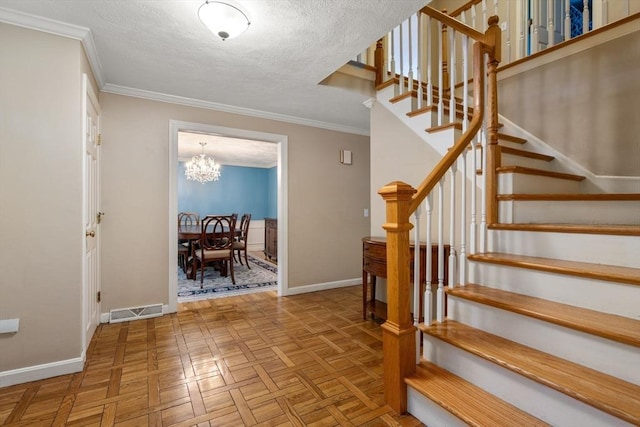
(223, 19)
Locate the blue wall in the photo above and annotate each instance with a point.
(239, 189)
(272, 199)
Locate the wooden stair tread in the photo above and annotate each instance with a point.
(539, 172)
(434, 109)
(454, 125)
(511, 138)
(611, 229)
(610, 197)
(605, 392)
(524, 153)
(613, 327)
(610, 273)
(466, 401)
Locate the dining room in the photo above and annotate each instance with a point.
(225, 182)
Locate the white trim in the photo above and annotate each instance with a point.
(323, 286)
(282, 140)
(58, 28)
(39, 372)
(198, 103)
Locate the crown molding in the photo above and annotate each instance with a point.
(58, 28)
(197, 103)
(84, 34)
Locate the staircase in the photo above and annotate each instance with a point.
(544, 328)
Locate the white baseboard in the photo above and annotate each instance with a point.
(39, 372)
(323, 286)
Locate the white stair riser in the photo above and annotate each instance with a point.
(594, 248)
(540, 401)
(508, 159)
(518, 183)
(569, 212)
(585, 349)
(430, 413)
(599, 295)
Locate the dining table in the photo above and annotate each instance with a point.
(193, 232)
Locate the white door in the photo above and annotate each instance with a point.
(91, 265)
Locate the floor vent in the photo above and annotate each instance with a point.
(135, 313)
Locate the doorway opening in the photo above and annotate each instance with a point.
(178, 128)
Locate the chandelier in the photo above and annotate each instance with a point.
(202, 168)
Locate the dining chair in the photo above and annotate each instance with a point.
(240, 244)
(216, 244)
(184, 245)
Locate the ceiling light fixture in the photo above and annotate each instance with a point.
(202, 168)
(223, 19)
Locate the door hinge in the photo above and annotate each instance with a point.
(99, 296)
(99, 217)
(99, 139)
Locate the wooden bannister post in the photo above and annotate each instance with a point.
(398, 332)
(379, 62)
(445, 55)
(493, 44)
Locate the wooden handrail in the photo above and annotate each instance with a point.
(401, 200)
(454, 23)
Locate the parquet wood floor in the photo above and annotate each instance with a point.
(304, 360)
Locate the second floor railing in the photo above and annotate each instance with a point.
(527, 26)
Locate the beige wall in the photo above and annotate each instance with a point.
(325, 199)
(397, 154)
(41, 224)
(586, 106)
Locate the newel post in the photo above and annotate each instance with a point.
(493, 42)
(398, 332)
(378, 60)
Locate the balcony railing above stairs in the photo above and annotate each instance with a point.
(528, 26)
(445, 109)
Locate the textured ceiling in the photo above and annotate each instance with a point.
(160, 47)
(228, 151)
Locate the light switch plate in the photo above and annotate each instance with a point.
(345, 157)
(8, 326)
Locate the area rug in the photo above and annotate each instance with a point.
(263, 276)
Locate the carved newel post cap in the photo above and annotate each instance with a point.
(397, 190)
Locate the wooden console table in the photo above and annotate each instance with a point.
(374, 264)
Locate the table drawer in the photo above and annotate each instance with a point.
(374, 251)
(375, 267)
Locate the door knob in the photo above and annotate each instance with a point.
(90, 234)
